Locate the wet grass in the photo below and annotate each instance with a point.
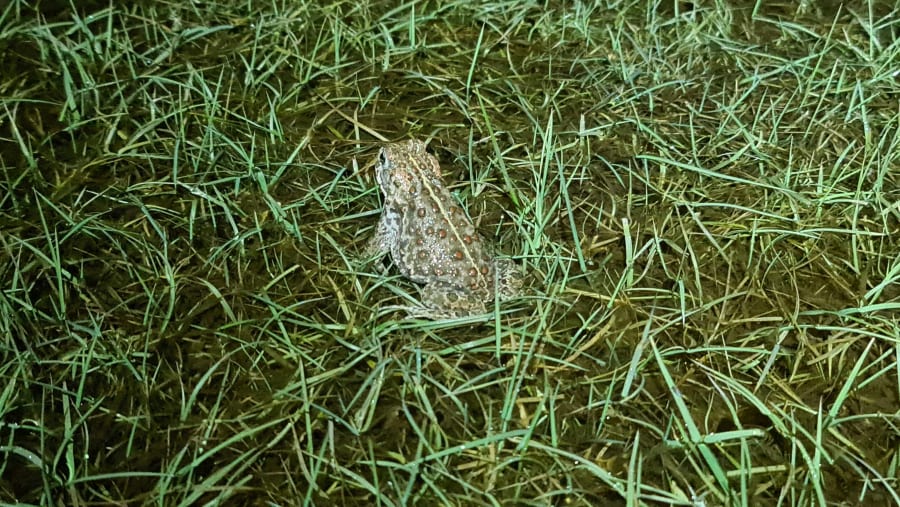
(705, 197)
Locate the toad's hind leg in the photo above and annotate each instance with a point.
(509, 278)
(444, 301)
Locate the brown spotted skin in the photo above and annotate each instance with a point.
(431, 239)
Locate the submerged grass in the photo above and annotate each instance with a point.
(704, 194)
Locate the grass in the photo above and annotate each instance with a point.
(705, 196)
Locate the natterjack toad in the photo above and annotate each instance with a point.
(431, 239)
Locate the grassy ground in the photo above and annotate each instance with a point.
(705, 195)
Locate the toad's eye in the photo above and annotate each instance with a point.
(382, 158)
